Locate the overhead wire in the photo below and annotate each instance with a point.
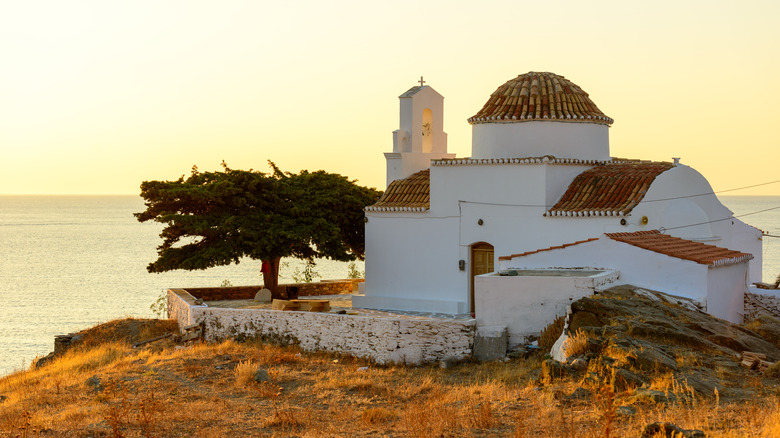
(643, 201)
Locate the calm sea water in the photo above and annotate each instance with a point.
(69, 262)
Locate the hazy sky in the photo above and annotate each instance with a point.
(97, 96)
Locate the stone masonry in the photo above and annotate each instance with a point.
(384, 339)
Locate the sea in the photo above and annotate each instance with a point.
(70, 262)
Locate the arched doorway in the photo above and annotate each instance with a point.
(481, 263)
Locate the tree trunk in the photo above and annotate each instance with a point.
(270, 270)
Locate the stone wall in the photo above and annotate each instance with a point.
(288, 290)
(382, 339)
(766, 302)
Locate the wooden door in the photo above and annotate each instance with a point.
(481, 263)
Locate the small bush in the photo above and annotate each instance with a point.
(576, 344)
(353, 272)
(245, 372)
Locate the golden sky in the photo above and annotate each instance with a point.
(97, 96)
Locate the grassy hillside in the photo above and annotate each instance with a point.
(104, 387)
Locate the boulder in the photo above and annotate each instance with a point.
(261, 376)
(670, 430)
(263, 296)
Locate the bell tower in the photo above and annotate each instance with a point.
(420, 137)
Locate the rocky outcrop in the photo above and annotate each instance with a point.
(630, 337)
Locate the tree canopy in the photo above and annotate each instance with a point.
(218, 218)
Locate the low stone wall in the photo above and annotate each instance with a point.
(382, 339)
(762, 302)
(288, 290)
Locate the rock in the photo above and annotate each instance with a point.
(768, 327)
(43, 360)
(522, 351)
(579, 394)
(94, 383)
(644, 395)
(448, 363)
(583, 318)
(261, 376)
(670, 430)
(490, 343)
(625, 380)
(263, 296)
(553, 370)
(579, 364)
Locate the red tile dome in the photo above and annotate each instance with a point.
(540, 96)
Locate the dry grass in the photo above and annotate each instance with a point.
(208, 390)
(551, 333)
(245, 372)
(576, 343)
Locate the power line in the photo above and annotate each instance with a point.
(642, 201)
(724, 219)
(749, 187)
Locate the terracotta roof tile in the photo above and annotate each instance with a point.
(565, 245)
(412, 193)
(681, 248)
(540, 96)
(608, 190)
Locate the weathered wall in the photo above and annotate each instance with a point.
(525, 305)
(291, 290)
(384, 340)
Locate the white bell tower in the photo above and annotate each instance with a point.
(421, 137)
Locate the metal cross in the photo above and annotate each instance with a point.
(422, 82)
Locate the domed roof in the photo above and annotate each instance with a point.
(540, 96)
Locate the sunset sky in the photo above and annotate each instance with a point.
(97, 96)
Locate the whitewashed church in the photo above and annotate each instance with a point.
(540, 213)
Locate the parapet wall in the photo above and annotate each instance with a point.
(382, 339)
(288, 290)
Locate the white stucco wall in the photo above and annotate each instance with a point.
(746, 238)
(527, 304)
(411, 120)
(384, 340)
(585, 141)
(413, 264)
(727, 286)
(637, 266)
(681, 197)
(412, 258)
(411, 152)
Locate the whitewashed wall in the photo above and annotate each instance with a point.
(720, 288)
(637, 266)
(585, 141)
(527, 304)
(384, 340)
(412, 264)
(726, 292)
(412, 258)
